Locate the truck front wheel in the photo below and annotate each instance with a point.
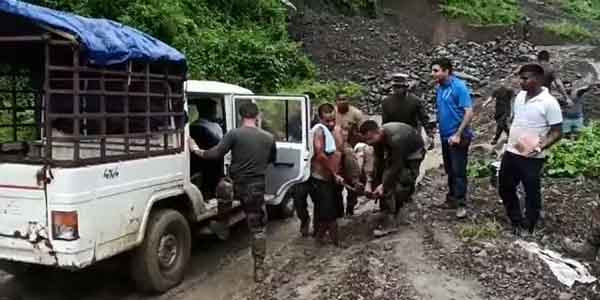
(159, 263)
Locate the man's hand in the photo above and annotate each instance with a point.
(454, 139)
(339, 179)
(378, 191)
(199, 152)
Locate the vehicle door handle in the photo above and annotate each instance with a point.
(284, 164)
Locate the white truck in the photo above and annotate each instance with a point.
(94, 157)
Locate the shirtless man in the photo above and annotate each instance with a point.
(321, 185)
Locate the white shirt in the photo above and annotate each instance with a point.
(533, 117)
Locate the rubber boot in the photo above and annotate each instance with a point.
(583, 250)
(259, 251)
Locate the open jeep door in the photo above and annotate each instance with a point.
(287, 118)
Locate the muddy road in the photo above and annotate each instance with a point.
(217, 268)
(223, 269)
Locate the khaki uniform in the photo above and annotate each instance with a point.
(349, 123)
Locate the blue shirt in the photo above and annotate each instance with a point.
(452, 98)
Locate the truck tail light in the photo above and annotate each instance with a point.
(65, 225)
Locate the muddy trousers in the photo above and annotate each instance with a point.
(251, 194)
(399, 190)
(515, 169)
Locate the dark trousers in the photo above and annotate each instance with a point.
(326, 197)
(455, 164)
(516, 169)
(501, 126)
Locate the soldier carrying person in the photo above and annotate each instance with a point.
(401, 149)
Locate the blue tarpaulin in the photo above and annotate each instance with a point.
(105, 42)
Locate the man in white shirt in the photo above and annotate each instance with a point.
(536, 126)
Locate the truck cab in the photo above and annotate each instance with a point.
(286, 117)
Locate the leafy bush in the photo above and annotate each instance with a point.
(324, 91)
(579, 157)
(487, 12)
(238, 41)
(479, 168)
(476, 231)
(569, 30)
(583, 9)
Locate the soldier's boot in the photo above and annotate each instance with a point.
(259, 251)
(585, 250)
(389, 226)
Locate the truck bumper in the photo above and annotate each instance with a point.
(15, 250)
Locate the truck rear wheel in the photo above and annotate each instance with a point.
(159, 263)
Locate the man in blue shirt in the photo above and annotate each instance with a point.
(454, 113)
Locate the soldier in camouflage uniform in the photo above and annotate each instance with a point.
(401, 148)
(252, 149)
(590, 248)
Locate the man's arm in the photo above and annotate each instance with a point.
(273, 154)
(465, 122)
(553, 136)
(487, 101)
(464, 101)
(562, 90)
(554, 118)
(423, 117)
(220, 149)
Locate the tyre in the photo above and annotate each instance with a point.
(283, 210)
(159, 263)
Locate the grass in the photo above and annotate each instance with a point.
(582, 9)
(568, 30)
(484, 12)
(478, 231)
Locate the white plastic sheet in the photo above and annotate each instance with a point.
(566, 270)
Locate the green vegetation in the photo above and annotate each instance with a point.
(238, 41)
(568, 30)
(489, 229)
(579, 157)
(479, 168)
(324, 91)
(582, 9)
(488, 12)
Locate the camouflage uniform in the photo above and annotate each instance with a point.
(251, 194)
(399, 184)
(398, 161)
